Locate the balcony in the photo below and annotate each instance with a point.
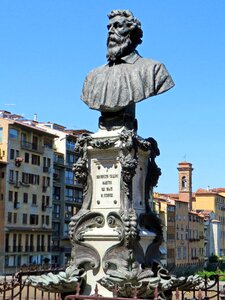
(69, 164)
(194, 257)
(74, 200)
(17, 184)
(194, 239)
(59, 161)
(32, 147)
(25, 184)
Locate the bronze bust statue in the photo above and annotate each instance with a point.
(127, 78)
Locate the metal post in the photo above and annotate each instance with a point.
(177, 294)
(156, 294)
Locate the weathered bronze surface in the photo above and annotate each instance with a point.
(127, 78)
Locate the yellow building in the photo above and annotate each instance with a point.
(213, 200)
(184, 227)
(26, 180)
(196, 238)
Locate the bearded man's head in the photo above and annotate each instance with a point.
(124, 34)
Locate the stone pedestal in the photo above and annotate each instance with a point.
(113, 233)
(115, 236)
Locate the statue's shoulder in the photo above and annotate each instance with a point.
(97, 70)
(149, 61)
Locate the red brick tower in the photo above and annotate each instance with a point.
(185, 182)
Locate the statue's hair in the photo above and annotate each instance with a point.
(135, 24)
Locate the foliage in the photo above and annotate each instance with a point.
(213, 258)
(209, 274)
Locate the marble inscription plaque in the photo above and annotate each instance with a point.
(106, 184)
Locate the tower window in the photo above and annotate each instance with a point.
(184, 183)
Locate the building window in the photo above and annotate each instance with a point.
(182, 232)
(12, 154)
(78, 196)
(184, 183)
(34, 199)
(34, 179)
(9, 217)
(16, 200)
(46, 164)
(47, 220)
(56, 211)
(13, 133)
(33, 219)
(1, 134)
(35, 160)
(45, 183)
(23, 138)
(25, 219)
(65, 229)
(56, 193)
(11, 176)
(177, 232)
(15, 218)
(178, 252)
(10, 196)
(25, 178)
(70, 145)
(28, 178)
(35, 142)
(186, 232)
(47, 143)
(25, 197)
(27, 157)
(70, 159)
(43, 203)
(7, 242)
(69, 177)
(47, 201)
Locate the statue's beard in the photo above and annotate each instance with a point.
(118, 46)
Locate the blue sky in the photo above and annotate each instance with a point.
(48, 47)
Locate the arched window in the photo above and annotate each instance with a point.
(184, 183)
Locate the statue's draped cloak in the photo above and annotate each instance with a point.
(111, 88)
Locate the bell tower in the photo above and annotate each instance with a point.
(185, 182)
